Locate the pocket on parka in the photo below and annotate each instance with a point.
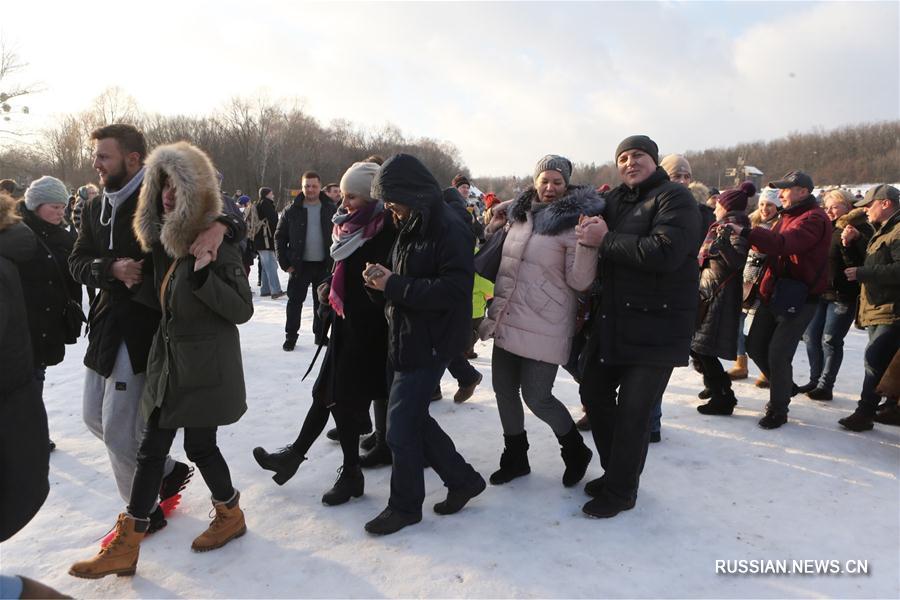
(195, 358)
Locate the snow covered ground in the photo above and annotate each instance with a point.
(716, 488)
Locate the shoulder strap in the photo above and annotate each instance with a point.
(62, 277)
(165, 284)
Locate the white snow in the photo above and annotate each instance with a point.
(716, 488)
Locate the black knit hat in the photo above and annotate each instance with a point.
(639, 142)
(460, 180)
(264, 191)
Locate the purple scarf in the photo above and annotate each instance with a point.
(350, 232)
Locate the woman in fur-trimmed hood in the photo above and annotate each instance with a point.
(532, 317)
(194, 372)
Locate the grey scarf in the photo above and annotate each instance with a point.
(116, 198)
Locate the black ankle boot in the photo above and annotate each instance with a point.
(378, 456)
(349, 484)
(576, 455)
(722, 402)
(285, 462)
(514, 460)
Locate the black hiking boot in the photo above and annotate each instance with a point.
(349, 484)
(457, 499)
(391, 521)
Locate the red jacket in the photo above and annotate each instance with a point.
(797, 247)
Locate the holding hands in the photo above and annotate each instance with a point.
(590, 231)
(848, 235)
(128, 271)
(376, 276)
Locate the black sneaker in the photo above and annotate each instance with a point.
(289, 345)
(772, 421)
(819, 394)
(457, 499)
(802, 389)
(391, 521)
(175, 481)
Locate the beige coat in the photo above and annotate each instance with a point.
(542, 270)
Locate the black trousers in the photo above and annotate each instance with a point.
(619, 400)
(715, 378)
(309, 274)
(200, 447)
(350, 425)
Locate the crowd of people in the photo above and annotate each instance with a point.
(617, 285)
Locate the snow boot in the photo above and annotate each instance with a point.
(607, 505)
(576, 456)
(593, 487)
(227, 525)
(721, 403)
(514, 460)
(465, 391)
(120, 556)
(157, 522)
(285, 462)
(457, 499)
(739, 370)
(773, 420)
(889, 415)
(349, 484)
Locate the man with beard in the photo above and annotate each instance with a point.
(428, 303)
(643, 325)
(107, 256)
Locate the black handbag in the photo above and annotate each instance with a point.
(73, 316)
(789, 295)
(487, 260)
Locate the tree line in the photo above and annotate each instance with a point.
(253, 142)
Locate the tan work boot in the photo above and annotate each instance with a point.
(761, 381)
(120, 556)
(226, 525)
(739, 370)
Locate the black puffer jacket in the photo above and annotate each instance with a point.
(429, 296)
(722, 288)
(649, 276)
(24, 454)
(290, 235)
(841, 257)
(47, 285)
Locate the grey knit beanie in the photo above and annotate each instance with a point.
(358, 179)
(554, 162)
(46, 190)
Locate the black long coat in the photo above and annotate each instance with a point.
(24, 454)
(722, 286)
(47, 284)
(649, 275)
(353, 370)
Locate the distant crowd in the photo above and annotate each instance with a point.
(618, 286)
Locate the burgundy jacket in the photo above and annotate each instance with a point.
(797, 247)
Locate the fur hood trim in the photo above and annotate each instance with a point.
(856, 217)
(197, 199)
(9, 216)
(560, 215)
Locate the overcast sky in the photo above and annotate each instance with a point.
(505, 82)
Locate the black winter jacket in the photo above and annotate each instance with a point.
(358, 342)
(429, 296)
(267, 217)
(24, 454)
(47, 284)
(649, 276)
(722, 290)
(841, 257)
(290, 234)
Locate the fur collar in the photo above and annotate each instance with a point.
(856, 217)
(9, 216)
(197, 203)
(560, 215)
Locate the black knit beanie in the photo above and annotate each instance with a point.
(639, 142)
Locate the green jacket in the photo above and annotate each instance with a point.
(879, 298)
(195, 375)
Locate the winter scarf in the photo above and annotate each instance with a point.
(738, 218)
(351, 231)
(114, 199)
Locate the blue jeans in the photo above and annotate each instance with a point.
(824, 338)
(883, 343)
(413, 436)
(741, 339)
(268, 268)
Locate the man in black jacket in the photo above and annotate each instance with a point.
(302, 242)
(107, 256)
(643, 326)
(428, 303)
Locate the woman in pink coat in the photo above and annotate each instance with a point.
(532, 317)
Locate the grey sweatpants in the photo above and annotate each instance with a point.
(112, 411)
(511, 373)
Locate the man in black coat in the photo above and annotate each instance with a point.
(107, 256)
(302, 241)
(642, 328)
(428, 304)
